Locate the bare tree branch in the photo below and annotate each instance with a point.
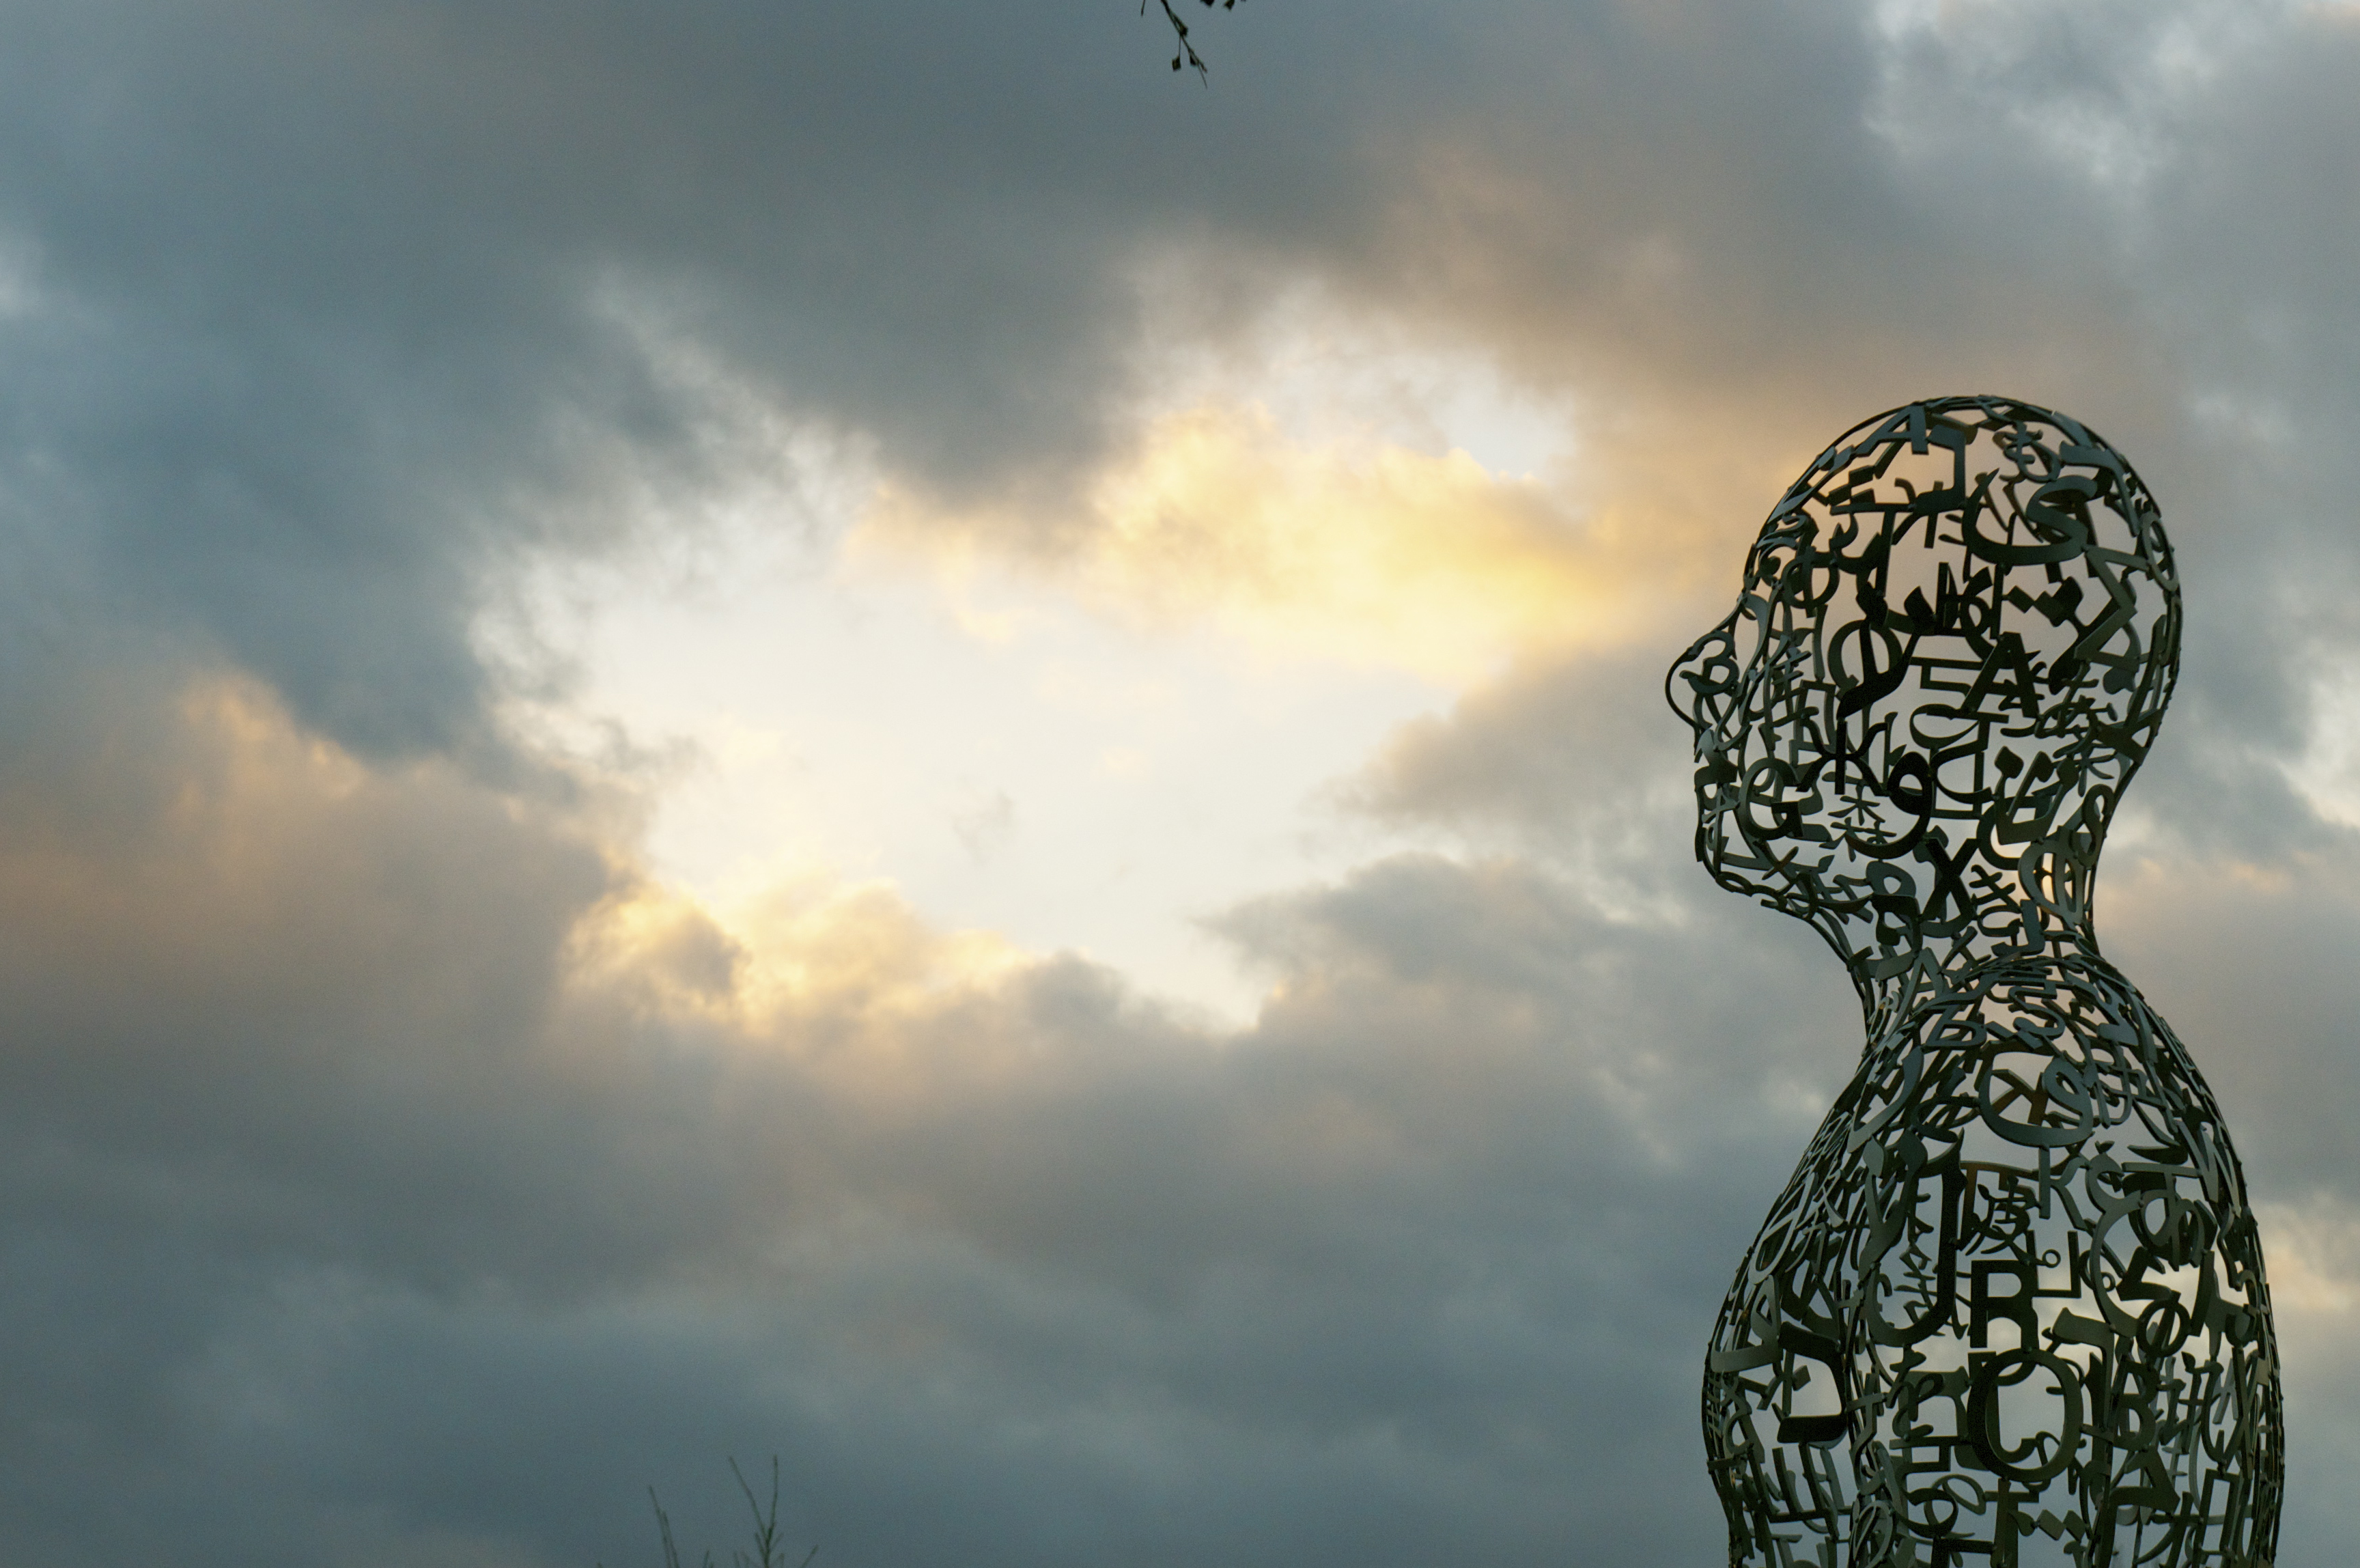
(1187, 53)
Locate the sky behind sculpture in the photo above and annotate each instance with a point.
(858, 730)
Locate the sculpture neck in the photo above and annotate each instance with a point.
(1894, 982)
(1902, 953)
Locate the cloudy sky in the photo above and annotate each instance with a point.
(861, 731)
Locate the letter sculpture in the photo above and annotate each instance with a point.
(2010, 1307)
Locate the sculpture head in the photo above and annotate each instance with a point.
(1956, 637)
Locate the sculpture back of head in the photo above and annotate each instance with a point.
(1957, 636)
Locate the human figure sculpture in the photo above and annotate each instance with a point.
(2010, 1308)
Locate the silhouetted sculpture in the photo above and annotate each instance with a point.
(2010, 1308)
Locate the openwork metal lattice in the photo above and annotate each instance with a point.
(2010, 1308)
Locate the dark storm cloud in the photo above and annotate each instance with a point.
(336, 1212)
(333, 310)
(329, 309)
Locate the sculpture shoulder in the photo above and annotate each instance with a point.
(2041, 1052)
(2073, 1004)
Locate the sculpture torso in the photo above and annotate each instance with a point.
(2010, 1307)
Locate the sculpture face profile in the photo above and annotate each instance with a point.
(2010, 1308)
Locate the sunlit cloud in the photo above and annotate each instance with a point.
(840, 978)
(1366, 555)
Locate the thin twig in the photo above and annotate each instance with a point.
(766, 1527)
(1187, 52)
(663, 1523)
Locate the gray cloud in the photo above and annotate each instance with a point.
(1355, 1282)
(323, 302)
(350, 1217)
(1578, 759)
(324, 323)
